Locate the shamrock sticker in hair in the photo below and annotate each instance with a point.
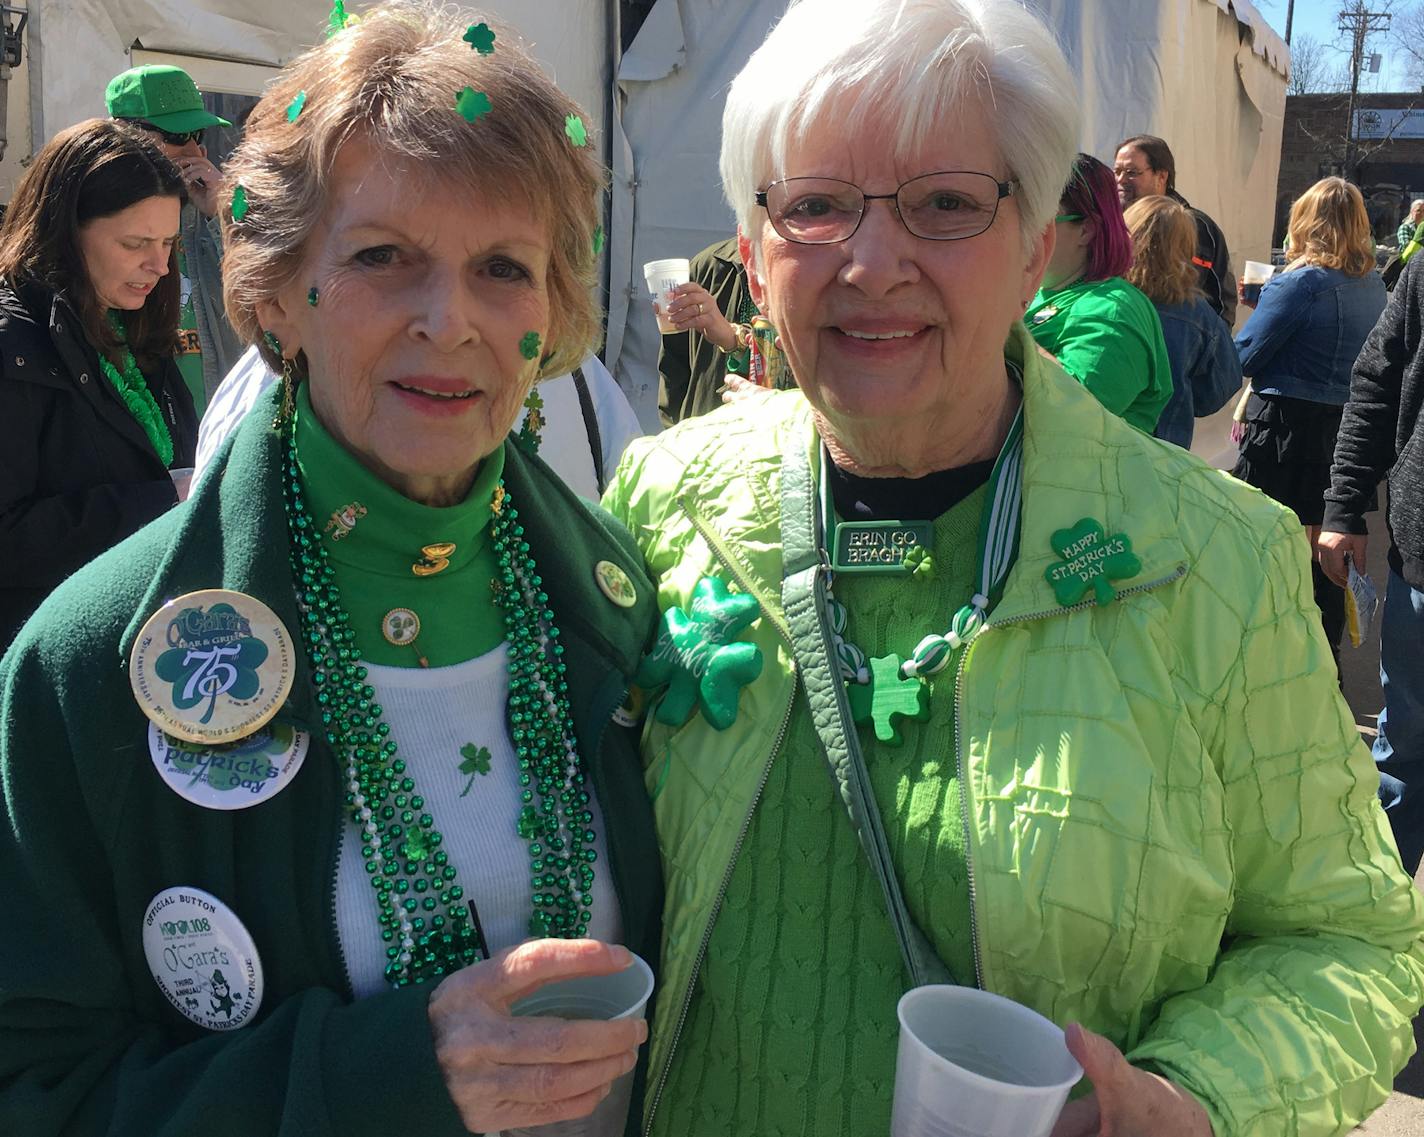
(480, 37)
(575, 129)
(472, 104)
(598, 239)
(1089, 561)
(295, 107)
(239, 203)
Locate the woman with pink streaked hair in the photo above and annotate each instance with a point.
(1103, 331)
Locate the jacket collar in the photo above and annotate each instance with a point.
(233, 535)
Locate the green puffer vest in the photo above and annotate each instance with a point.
(1174, 837)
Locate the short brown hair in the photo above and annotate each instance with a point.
(91, 170)
(391, 80)
(1330, 227)
(1158, 155)
(1164, 240)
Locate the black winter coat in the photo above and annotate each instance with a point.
(77, 472)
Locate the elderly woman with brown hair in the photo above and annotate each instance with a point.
(292, 776)
(1043, 706)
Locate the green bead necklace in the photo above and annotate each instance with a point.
(429, 928)
(132, 388)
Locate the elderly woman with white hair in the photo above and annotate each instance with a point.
(1085, 743)
(306, 786)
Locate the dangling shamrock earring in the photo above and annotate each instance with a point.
(289, 383)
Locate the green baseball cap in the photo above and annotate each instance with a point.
(165, 96)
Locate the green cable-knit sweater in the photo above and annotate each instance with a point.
(802, 946)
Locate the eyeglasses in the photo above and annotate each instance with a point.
(946, 206)
(169, 137)
(1068, 217)
(1127, 173)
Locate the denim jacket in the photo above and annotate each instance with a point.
(1206, 371)
(1302, 339)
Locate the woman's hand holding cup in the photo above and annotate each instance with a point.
(504, 1072)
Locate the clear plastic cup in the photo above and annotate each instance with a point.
(1253, 275)
(622, 995)
(973, 1064)
(662, 277)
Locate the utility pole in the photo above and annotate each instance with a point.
(1359, 23)
(1290, 15)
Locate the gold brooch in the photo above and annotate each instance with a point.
(433, 558)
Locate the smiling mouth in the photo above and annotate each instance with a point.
(902, 335)
(452, 395)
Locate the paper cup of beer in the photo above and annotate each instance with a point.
(974, 1064)
(622, 995)
(663, 277)
(1253, 275)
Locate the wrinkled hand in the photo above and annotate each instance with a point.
(738, 388)
(505, 1072)
(1126, 1101)
(1331, 549)
(204, 181)
(694, 310)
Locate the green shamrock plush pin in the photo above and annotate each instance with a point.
(1089, 561)
(919, 563)
(888, 698)
(698, 658)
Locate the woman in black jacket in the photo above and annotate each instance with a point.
(93, 412)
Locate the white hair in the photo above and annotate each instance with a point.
(851, 64)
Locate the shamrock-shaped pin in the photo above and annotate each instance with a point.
(476, 762)
(471, 104)
(294, 108)
(239, 203)
(529, 345)
(204, 667)
(480, 37)
(888, 698)
(919, 563)
(1090, 561)
(697, 656)
(575, 129)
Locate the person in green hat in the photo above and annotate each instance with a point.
(165, 102)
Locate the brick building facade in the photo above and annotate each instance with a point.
(1389, 161)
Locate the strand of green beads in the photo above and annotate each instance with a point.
(424, 921)
(556, 817)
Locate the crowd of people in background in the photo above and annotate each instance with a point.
(195, 368)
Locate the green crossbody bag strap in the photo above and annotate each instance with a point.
(803, 598)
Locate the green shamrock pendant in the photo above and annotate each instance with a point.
(887, 699)
(697, 657)
(1089, 561)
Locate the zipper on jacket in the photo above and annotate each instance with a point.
(716, 908)
(334, 875)
(964, 791)
(740, 579)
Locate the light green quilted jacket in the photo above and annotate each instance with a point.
(1174, 835)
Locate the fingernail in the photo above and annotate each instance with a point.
(630, 1060)
(620, 955)
(642, 1031)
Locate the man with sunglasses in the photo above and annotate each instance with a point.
(165, 103)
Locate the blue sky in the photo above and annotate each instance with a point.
(1321, 20)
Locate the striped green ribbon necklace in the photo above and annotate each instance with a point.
(900, 689)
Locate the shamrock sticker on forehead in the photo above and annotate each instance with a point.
(575, 129)
(472, 104)
(480, 37)
(529, 345)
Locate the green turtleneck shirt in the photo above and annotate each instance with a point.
(374, 535)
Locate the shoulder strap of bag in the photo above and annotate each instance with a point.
(803, 599)
(590, 425)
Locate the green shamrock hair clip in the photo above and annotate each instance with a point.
(480, 37)
(239, 203)
(294, 108)
(598, 239)
(472, 104)
(575, 129)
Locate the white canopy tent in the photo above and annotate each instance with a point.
(1208, 75)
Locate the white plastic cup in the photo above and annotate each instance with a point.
(973, 1064)
(622, 995)
(663, 277)
(1253, 275)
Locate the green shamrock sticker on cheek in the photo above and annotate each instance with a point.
(1089, 561)
(529, 345)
